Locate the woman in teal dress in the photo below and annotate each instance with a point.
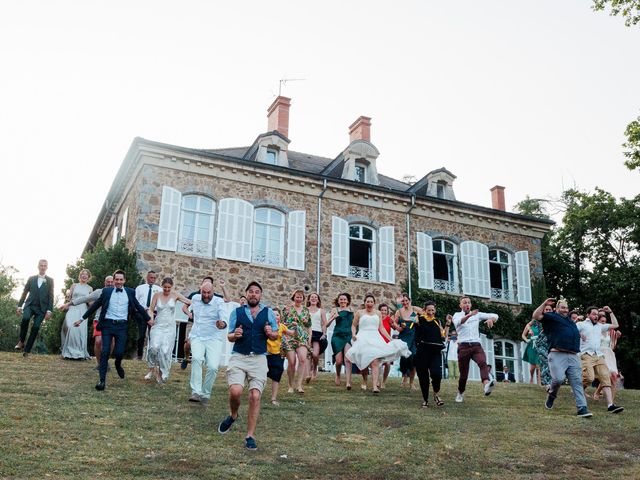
(530, 334)
(405, 321)
(341, 338)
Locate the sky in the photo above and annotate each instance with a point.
(531, 95)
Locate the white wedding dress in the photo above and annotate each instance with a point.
(73, 340)
(370, 345)
(162, 338)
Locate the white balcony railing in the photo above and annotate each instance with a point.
(268, 258)
(195, 247)
(361, 272)
(445, 286)
(501, 294)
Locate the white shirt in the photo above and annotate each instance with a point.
(452, 353)
(205, 316)
(118, 306)
(468, 331)
(593, 335)
(40, 280)
(142, 292)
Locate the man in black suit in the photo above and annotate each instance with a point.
(38, 305)
(118, 304)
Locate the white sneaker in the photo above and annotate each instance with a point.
(459, 397)
(149, 376)
(488, 388)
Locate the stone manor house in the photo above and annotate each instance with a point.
(289, 219)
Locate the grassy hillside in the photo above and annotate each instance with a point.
(55, 425)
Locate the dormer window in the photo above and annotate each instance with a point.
(440, 189)
(360, 172)
(272, 156)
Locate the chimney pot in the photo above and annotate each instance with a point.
(360, 129)
(497, 198)
(278, 116)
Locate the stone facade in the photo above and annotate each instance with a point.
(149, 166)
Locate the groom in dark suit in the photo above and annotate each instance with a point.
(118, 304)
(38, 292)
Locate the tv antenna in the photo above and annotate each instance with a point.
(284, 81)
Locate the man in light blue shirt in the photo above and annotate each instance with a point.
(207, 339)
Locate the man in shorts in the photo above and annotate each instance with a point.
(250, 326)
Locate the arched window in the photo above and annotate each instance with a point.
(362, 252)
(196, 225)
(500, 275)
(504, 353)
(268, 237)
(445, 266)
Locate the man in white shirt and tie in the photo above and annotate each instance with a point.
(467, 322)
(144, 294)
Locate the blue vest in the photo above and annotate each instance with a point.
(253, 339)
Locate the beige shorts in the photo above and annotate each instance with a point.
(594, 367)
(247, 368)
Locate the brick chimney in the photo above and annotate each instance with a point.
(497, 198)
(278, 116)
(360, 129)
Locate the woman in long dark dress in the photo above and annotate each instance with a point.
(341, 338)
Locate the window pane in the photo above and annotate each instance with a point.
(272, 157)
(367, 233)
(504, 257)
(277, 218)
(493, 255)
(359, 174)
(448, 247)
(262, 215)
(190, 202)
(206, 205)
(497, 349)
(508, 346)
(437, 245)
(440, 267)
(354, 231)
(360, 254)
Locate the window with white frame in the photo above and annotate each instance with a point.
(196, 226)
(500, 275)
(445, 266)
(360, 172)
(362, 252)
(504, 353)
(440, 189)
(268, 237)
(359, 251)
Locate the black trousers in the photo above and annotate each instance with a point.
(428, 362)
(142, 334)
(118, 331)
(27, 315)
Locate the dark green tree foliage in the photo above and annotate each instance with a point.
(9, 321)
(628, 9)
(596, 257)
(632, 145)
(101, 262)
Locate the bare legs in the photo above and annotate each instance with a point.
(340, 359)
(299, 357)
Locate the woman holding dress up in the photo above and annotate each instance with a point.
(405, 321)
(74, 338)
(430, 336)
(341, 338)
(162, 336)
(318, 333)
(369, 347)
(296, 317)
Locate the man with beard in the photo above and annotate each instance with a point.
(249, 327)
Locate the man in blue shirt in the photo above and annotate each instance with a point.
(249, 327)
(564, 345)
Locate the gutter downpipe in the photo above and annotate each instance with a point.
(413, 205)
(324, 189)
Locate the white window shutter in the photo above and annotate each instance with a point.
(425, 261)
(475, 269)
(523, 276)
(339, 247)
(169, 219)
(296, 240)
(387, 255)
(235, 230)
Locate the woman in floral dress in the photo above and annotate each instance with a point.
(294, 347)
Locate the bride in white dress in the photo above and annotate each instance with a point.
(368, 347)
(162, 336)
(73, 335)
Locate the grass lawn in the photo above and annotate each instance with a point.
(54, 424)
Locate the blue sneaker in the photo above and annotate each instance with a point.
(183, 364)
(250, 443)
(226, 424)
(549, 403)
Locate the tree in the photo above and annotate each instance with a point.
(632, 145)
(101, 262)
(593, 258)
(9, 321)
(628, 9)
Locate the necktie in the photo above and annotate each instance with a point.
(118, 290)
(149, 295)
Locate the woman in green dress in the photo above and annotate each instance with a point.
(530, 334)
(405, 320)
(341, 338)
